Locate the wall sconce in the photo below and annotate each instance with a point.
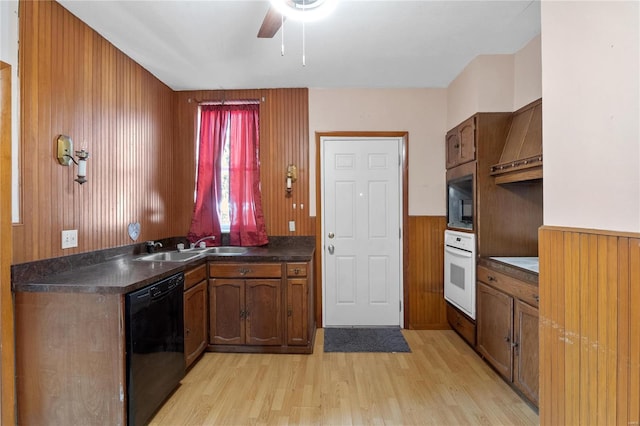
(292, 176)
(65, 148)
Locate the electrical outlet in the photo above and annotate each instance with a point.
(292, 226)
(69, 238)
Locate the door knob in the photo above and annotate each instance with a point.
(331, 248)
(331, 235)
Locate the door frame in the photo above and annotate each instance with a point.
(404, 177)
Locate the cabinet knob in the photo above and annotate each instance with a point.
(289, 312)
(187, 331)
(537, 298)
(491, 278)
(296, 271)
(507, 339)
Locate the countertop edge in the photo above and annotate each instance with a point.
(513, 271)
(128, 274)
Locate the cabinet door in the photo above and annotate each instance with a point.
(526, 376)
(263, 312)
(467, 135)
(226, 312)
(195, 321)
(297, 311)
(452, 144)
(495, 328)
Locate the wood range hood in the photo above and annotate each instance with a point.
(521, 158)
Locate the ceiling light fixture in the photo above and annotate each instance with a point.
(304, 10)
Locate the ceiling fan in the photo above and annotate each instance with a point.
(271, 23)
(301, 10)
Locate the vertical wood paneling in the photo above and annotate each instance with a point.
(589, 329)
(76, 83)
(427, 308)
(7, 346)
(284, 140)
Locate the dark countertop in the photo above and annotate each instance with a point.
(509, 269)
(122, 273)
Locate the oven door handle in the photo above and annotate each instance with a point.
(458, 252)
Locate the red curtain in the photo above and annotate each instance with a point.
(247, 226)
(245, 199)
(206, 218)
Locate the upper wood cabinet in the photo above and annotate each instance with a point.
(461, 143)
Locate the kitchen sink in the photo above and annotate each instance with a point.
(170, 256)
(221, 251)
(189, 254)
(226, 250)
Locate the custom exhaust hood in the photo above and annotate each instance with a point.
(521, 158)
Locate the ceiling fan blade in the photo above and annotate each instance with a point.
(271, 24)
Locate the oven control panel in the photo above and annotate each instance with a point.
(460, 240)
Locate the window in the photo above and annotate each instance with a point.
(228, 177)
(223, 203)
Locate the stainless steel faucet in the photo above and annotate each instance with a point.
(152, 245)
(211, 237)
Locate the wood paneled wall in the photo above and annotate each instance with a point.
(284, 140)
(141, 137)
(589, 327)
(7, 346)
(76, 83)
(427, 308)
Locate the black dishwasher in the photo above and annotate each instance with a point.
(155, 346)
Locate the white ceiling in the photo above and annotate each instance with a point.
(365, 43)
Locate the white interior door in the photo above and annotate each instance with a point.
(361, 211)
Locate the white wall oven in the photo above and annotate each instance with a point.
(460, 271)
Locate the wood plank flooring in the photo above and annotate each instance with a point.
(441, 382)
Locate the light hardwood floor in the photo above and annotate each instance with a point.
(441, 382)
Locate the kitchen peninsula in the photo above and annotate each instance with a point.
(70, 322)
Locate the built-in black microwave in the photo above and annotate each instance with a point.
(460, 203)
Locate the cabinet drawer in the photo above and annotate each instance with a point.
(526, 292)
(245, 270)
(465, 327)
(296, 269)
(194, 276)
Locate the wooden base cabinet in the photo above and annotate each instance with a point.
(507, 328)
(246, 308)
(195, 313)
(526, 356)
(463, 325)
(245, 312)
(495, 329)
(300, 318)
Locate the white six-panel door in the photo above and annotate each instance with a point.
(361, 214)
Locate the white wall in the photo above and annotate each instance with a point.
(9, 55)
(496, 83)
(591, 114)
(485, 85)
(527, 74)
(421, 112)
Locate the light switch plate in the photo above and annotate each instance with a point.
(69, 238)
(292, 226)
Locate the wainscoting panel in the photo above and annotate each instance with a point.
(589, 327)
(427, 308)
